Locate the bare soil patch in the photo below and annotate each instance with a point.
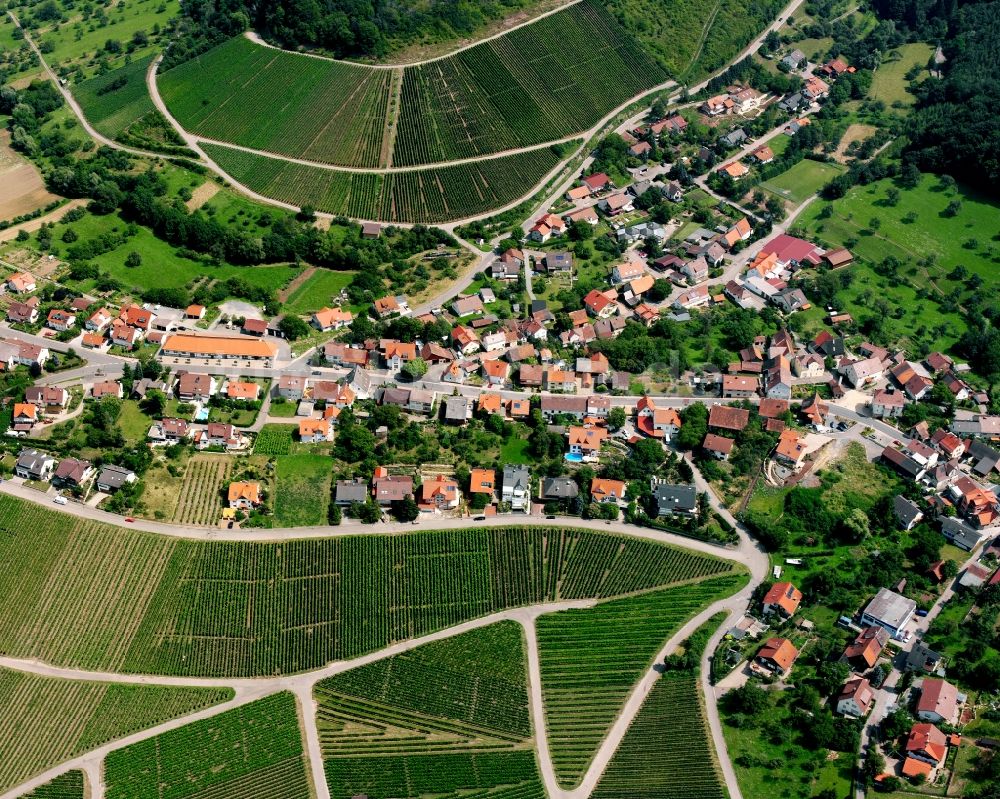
(205, 192)
(852, 134)
(34, 224)
(23, 189)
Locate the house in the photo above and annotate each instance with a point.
(482, 481)
(516, 487)
(546, 227)
(136, 316)
(827, 344)
(816, 412)
(834, 68)
(724, 417)
(815, 88)
(939, 701)
(974, 576)
(627, 272)
(246, 392)
(21, 283)
(391, 306)
(244, 495)
(348, 492)
(735, 386)
(391, 488)
(922, 658)
(552, 406)
(602, 490)
(938, 363)
(396, 353)
(693, 298)
(715, 106)
(790, 449)
(559, 488)
(735, 169)
(586, 440)
(794, 59)
(763, 155)
(23, 313)
(328, 319)
(656, 422)
(559, 380)
(809, 365)
(194, 311)
(578, 193)
(291, 387)
(73, 472)
(696, 271)
(169, 431)
(790, 251)
(741, 231)
(439, 493)
(107, 388)
(466, 306)
(315, 431)
(783, 599)
(34, 465)
(855, 697)
(777, 656)
(24, 416)
(465, 339)
(675, 500)
(863, 653)
(890, 611)
(977, 504)
(597, 182)
(457, 410)
(718, 447)
(254, 327)
(193, 386)
(617, 204)
(792, 103)
(584, 215)
(112, 478)
(791, 300)
(507, 266)
(600, 305)
(123, 335)
(908, 514)
(337, 353)
(61, 320)
(925, 745)
(53, 398)
(217, 434)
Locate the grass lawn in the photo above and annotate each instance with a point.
(318, 291)
(889, 82)
(161, 491)
(283, 410)
(302, 492)
(133, 423)
(515, 450)
(803, 180)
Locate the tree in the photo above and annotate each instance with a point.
(694, 426)
(154, 403)
(415, 369)
(616, 418)
(406, 509)
(292, 327)
(133, 259)
(749, 699)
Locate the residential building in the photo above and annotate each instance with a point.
(887, 404)
(61, 320)
(855, 698)
(889, 610)
(439, 493)
(926, 743)
(328, 319)
(348, 492)
(908, 513)
(34, 465)
(656, 422)
(395, 354)
(73, 472)
(391, 488)
(391, 306)
(169, 431)
(739, 386)
(603, 490)
(516, 487)
(315, 431)
(718, 447)
(51, 398)
(107, 388)
(790, 449)
(777, 656)
(724, 417)
(675, 500)
(559, 488)
(291, 387)
(864, 372)
(112, 478)
(244, 495)
(586, 441)
(23, 313)
(938, 702)
(21, 283)
(482, 481)
(866, 649)
(782, 599)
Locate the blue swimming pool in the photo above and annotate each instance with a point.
(201, 415)
(574, 457)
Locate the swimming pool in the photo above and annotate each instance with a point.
(574, 457)
(201, 415)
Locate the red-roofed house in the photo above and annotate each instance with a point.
(783, 599)
(938, 701)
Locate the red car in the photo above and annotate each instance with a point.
(129, 519)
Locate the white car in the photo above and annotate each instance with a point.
(60, 500)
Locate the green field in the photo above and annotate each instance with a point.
(449, 716)
(156, 605)
(302, 492)
(274, 439)
(65, 786)
(112, 110)
(803, 180)
(47, 720)
(254, 750)
(319, 290)
(889, 81)
(591, 659)
(538, 83)
(418, 196)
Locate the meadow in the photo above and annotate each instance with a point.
(889, 82)
(47, 720)
(253, 750)
(153, 605)
(302, 491)
(320, 290)
(802, 181)
(591, 659)
(418, 196)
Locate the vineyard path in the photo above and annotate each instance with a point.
(250, 689)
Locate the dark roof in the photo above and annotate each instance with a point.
(671, 498)
(906, 510)
(559, 488)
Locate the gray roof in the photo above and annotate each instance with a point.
(349, 491)
(457, 408)
(32, 459)
(516, 475)
(114, 476)
(921, 658)
(959, 533)
(906, 511)
(890, 608)
(559, 488)
(672, 498)
(985, 456)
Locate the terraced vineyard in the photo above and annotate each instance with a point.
(96, 596)
(65, 786)
(538, 83)
(451, 716)
(200, 500)
(590, 660)
(666, 753)
(251, 751)
(47, 721)
(280, 102)
(419, 196)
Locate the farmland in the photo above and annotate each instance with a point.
(273, 439)
(153, 605)
(302, 492)
(68, 717)
(448, 716)
(418, 196)
(65, 786)
(112, 108)
(591, 658)
(200, 499)
(253, 750)
(538, 83)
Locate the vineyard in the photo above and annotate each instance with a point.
(591, 659)
(113, 101)
(65, 786)
(666, 753)
(46, 721)
(200, 500)
(97, 596)
(538, 83)
(541, 82)
(273, 439)
(280, 102)
(254, 750)
(418, 196)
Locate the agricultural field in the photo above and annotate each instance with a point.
(23, 187)
(302, 489)
(590, 660)
(311, 108)
(802, 181)
(115, 100)
(320, 290)
(200, 501)
(173, 606)
(667, 752)
(417, 196)
(68, 717)
(450, 716)
(273, 440)
(253, 750)
(539, 83)
(66, 786)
